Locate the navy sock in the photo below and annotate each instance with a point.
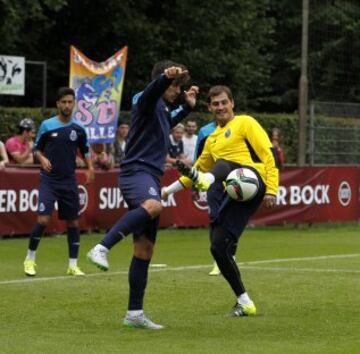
(133, 221)
(138, 274)
(35, 236)
(73, 236)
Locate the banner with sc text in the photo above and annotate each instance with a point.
(98, 89)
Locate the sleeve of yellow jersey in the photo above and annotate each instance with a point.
(261, 143)
(204, 163)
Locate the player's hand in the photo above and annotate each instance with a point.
(270, 200)
(164, 194)
(175, 72)
(45, 164)
(90, 175)
(190, 96)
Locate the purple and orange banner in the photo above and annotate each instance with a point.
(98, 89)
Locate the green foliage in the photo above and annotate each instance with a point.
(225, 42)
(287, 123)
(334, 56)
(10, 117)
(251, 46)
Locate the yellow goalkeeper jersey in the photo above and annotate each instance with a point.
(244, 141)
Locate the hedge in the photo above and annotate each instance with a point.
(287, 123)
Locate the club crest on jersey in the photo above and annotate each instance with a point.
(152, 191)
(228, 133)
(73, 135)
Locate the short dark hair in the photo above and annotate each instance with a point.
(217, 90)
(26, 124)
(64, 91)
(160, 66)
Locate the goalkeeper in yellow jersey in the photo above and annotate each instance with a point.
(237, 141)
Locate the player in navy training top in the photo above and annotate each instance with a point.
(57, 142)
(146, 149)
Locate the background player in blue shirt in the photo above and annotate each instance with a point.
(146, 149)
(57, 142)
(213, 193)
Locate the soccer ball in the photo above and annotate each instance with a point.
(242, 184)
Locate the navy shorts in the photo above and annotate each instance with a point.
(66, 195)
(136, 188)
(232, 215)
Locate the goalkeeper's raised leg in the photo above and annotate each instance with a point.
(202, 181)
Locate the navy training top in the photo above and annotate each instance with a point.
(151, 122)
(59, 143)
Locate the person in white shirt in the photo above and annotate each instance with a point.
(189, 139)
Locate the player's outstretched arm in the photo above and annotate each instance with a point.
(155, 89)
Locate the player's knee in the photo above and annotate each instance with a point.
(143, 248)
(218, 247)
(153, 207)
(72, 223)
(43, 220)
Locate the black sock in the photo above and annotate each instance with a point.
(222, 249)
(132, 221)
(73, 236)
(138, 274)
(35, 236)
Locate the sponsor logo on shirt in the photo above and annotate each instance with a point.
(54, 135)
(73, 135)
(152, 191)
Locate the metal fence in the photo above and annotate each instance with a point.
(334, 133)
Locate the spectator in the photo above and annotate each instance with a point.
(20, 145)
(99, 157)
(176, 147)
(189, 139)
(3, 156)
(276, 140)
(118, 150)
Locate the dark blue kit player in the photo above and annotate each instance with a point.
(57, 142)
(146, 149)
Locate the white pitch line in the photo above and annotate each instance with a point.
(244, 265)
(311, 270)
(315, 258)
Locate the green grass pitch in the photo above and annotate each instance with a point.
(305, 283)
